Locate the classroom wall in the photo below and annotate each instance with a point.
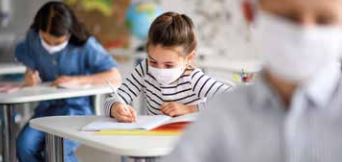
(220, 27)
(22, 13)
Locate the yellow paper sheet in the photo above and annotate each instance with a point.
(138, 133)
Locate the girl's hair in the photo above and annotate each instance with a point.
(57, 19)
(173, 29)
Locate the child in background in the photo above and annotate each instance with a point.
(171, 85)
(58, 49)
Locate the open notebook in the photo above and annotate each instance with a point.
(142, 123)
(73, 86)
(7, 87)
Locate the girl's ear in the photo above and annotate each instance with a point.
(191, 57)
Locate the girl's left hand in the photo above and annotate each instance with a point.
(176, 109)
(70, 80)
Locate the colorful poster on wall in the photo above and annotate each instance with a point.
(105, 19)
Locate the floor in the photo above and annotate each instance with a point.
(88, 154)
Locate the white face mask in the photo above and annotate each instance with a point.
(53, 49)
(293, 52)
(166, 76)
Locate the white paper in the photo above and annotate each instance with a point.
(73, 86)
(142, 122)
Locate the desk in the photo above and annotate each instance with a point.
(250, 66)
(41, 92)
(140, 148)
(11, 68)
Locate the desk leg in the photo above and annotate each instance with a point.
(8, 134)
(54, 148)
(124, 159)
(145, 159)
(97, 102)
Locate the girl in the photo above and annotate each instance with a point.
(169, 82)
(58, 49)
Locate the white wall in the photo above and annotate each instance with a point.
(220, 26)
(22, 13)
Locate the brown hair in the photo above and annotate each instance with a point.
(173, 29)
(57, 19)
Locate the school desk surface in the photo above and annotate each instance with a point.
(58, 127)
(41, 92)
(11, 68)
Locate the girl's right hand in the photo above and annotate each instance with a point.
(123, 113)
(31, 78)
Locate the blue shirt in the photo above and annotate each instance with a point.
(251, 124)
(74, 60)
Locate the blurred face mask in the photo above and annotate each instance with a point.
(293, 52)
(53, 49)
(166, 76)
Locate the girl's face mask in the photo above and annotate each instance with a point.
(167, 64)
(167, 76)
(52, 49)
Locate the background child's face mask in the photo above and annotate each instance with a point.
(293, 52)
(60, 42)
(53, 49)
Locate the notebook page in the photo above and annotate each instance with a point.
(142, 122)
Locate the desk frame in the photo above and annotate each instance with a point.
(54, 151)
(8, 124)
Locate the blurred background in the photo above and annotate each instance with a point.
(122, 25)
(224, 49)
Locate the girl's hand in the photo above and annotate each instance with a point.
(31, 78)
(176, 109)
(68, 80)
(123, 113)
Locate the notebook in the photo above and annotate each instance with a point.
(9, 87)
(73, 86)
(142, 123)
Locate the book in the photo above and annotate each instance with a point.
(9, 87)
(139, 132)
(73, 86)
(155, 122)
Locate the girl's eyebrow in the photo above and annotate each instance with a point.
(151, 58)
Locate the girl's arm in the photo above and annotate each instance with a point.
(112, 75)
(176, 109)
(205, 86)
(31, 77)
(99, 64)
(129, 90)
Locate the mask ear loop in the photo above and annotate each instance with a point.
(191, 62)
(188, 67)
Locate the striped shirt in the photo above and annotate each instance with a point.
(192, 88)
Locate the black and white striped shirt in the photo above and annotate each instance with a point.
(192, 88)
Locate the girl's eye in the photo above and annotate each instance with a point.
(294, 18)
(325, 20)
(169, 66)
(152, 63)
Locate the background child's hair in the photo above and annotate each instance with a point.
(173, 29)
(57, 19)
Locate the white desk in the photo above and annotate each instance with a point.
(250, 66)
(33, 94)
(11, 68)
(140, 148)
